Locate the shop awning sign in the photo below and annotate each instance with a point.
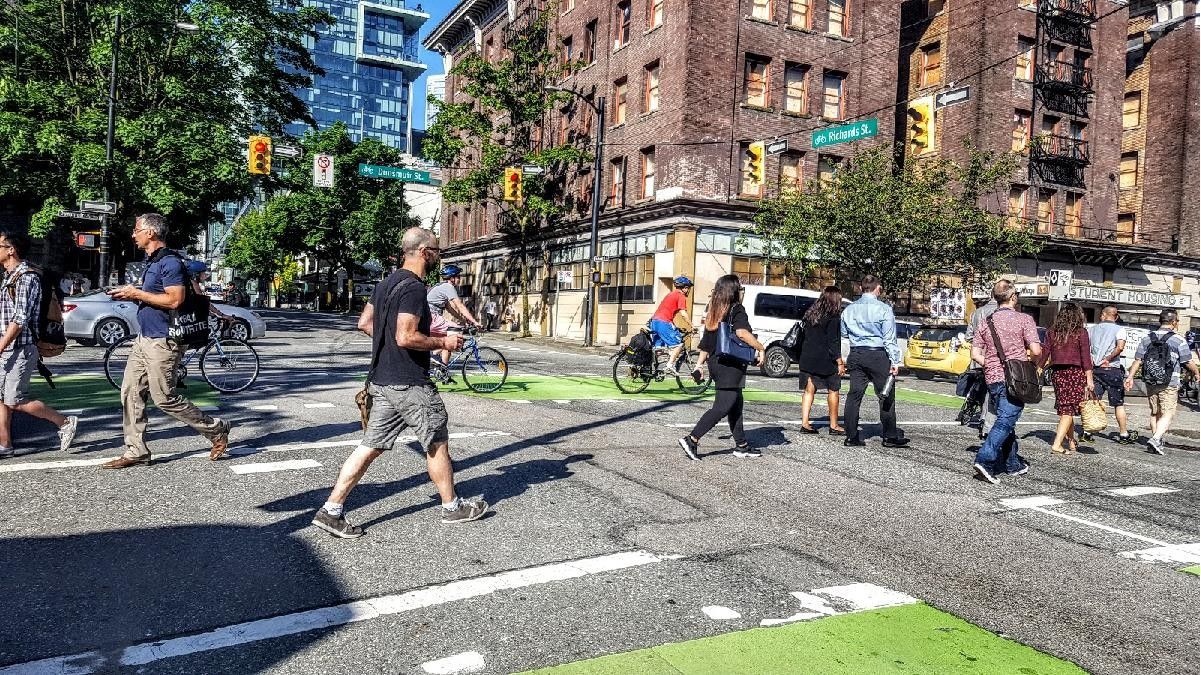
(1107, 295)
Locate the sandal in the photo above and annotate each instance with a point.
(1058, 451)
(807, 430)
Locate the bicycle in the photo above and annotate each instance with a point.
(633, 378)
(228, 364)
(484, 369)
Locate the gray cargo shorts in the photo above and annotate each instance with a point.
(16, 367)
(395, 408)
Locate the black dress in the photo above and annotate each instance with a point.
(727, 373)
(821, 348)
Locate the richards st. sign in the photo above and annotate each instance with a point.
(1127, 296)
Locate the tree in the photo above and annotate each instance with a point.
(905, 223)
(500, 126)
(186, 98)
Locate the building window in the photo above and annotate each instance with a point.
(620, 88)
(796, 98)
(568, 54)
(1126, 228)
(832, 102)
(934, 7)
(654, 13)
(762, 9)
(454, 227)
(837, 21)
(591, 99)
(1050, 126)
(1021, 130)
(1027, 4)
(1071, 215)
(1132, 107)
(1077, 130)
(631, 279)
(1024, 69)
(621, 19)
(650, 93)
(589, 54)
(1017, 207)
(768, 273)
(1046, 211)
(931, 65)
(755, 83)
(568, 5)
(1128, 171)
(748, 186)
(617, 184)
(799, 15)
(827, 166)
(648, 174)
(792, 170)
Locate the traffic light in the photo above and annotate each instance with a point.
(755, 166)
(921, 125)
(259, 155)
(512, 185)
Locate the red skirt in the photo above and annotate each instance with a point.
(1069, 389)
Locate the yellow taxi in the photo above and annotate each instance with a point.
(938, 349)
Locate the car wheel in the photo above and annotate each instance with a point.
(110, 331)
(776, 362)
(240, 330)
(924, 374)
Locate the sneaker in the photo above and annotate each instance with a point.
(1020, 472)
(1086, 436)
(338, 526)
(467, 511)
(747, 451)
(1155, 445)
(1128, 439)
(984, 474)
(689, 447)
(5, 453)
(66, 433)
(671, 371)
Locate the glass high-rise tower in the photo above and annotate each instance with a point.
(370, 57)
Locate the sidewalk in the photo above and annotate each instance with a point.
(562, 345)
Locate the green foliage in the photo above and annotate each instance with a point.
(185, 99)
(904, 223)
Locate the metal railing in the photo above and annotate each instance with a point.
(1076, 10)
(1064, 75)
(1056, 148)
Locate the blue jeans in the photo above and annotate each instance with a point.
(999, 454)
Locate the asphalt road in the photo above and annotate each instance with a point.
(603, 538)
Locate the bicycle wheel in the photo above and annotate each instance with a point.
(685, 366)
(630, 379)
(229, 365)
(484, 371)
(115, 358)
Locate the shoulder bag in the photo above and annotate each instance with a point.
(793, 338)
(363, 398)
(730, 346)
(1021, 377)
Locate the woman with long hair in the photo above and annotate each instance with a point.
(729, 375)
(1071, 363)
(821, 357)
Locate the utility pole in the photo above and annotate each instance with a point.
(108, 149)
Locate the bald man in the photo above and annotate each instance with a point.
(401, 392)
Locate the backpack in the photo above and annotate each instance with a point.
(641, 349)
(1159, 361)
(50, 335)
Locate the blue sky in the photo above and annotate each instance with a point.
(437, 9)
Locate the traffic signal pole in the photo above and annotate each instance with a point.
(102, 264)
(590, 306)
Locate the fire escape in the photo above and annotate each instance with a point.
(1062, 87)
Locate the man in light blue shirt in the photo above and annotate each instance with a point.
(870, 327)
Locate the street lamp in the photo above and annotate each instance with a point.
(599, 109)
(102, 264)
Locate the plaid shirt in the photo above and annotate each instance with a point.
(20, 302)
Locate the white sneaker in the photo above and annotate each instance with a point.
(985, 474)
(66, 433)
(1155, 445)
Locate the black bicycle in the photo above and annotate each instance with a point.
(633, 373)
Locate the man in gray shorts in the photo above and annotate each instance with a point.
(402, 395)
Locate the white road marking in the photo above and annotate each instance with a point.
(467, 662)
(336, 615)
(719, 613)
(561, 400)
(1101, 526)
(268, 467)
(1030, 502)
(208, 408)
(867, 596)
(320, 405)
(1179, 553)
(1140, 490)
(266, 407)
(519, 400)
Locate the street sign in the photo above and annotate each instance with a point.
(323, 171)
(394, 173)
(98, 207)
(81, 215)
(776, 147)
(951, 97)
(1059, 284)
(289, 151)
(565, 277)
(856, 131)
(532, 170)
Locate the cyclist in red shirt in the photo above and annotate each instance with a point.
(662, 323)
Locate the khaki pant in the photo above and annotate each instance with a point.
(151, 370)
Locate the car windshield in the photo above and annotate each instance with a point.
(937, 334)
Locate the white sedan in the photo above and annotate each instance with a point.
(94, 318)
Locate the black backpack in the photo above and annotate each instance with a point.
(641, 349)
(1159, 361)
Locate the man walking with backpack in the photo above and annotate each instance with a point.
(1160, 356)
(20, 311)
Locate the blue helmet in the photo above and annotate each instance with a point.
(196, 267)
(682, 281)
(451, 271)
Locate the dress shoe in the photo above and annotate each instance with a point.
(895, 442)
(220, 441)
(808, 430)
(853, 441)
(126, 462)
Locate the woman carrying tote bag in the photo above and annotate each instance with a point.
(727, 351)
(1071, 363)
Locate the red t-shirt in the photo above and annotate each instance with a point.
(675, 301)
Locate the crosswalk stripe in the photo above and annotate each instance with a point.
(268, 467)
(1140, 490)
(467, 662)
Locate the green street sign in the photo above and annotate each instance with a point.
(394, 172)
(845, 133)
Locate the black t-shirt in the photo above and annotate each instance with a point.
(399, 366)
(727, 373)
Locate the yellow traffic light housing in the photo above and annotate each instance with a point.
(512, 184)
(259, 155)
(755, 164)
(921, 125)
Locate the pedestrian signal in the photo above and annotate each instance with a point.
(259, 155)
(755, 166)
(921, 125)
(512, 184)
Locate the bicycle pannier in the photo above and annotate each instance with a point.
(641, 349)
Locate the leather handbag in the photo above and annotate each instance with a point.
(1021, 377)
(730, 346)
(793, 337)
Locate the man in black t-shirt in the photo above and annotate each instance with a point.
(401, 392)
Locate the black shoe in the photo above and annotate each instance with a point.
(808, 430)
(338, 526)
(689, 447)
(838, 432)
(746, 451)
(1086, 436)
(853, 441)
(895, 442)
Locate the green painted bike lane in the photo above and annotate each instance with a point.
(91, 392)
(907, 639)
